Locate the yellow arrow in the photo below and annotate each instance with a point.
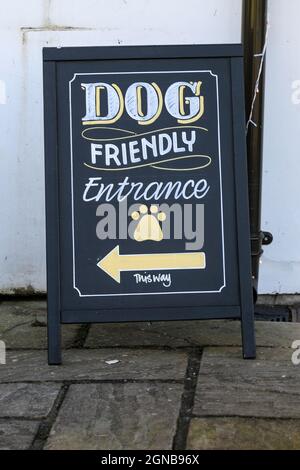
(113, 263)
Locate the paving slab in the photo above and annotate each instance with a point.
(106, 364)
(230, 386)
(243, 434)
(23, 325)
(189, 333)
(117, 417)
(17, 435)
(27, 400)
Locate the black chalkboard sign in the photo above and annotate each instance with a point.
(146, 186)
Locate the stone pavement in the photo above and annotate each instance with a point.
(175, 385)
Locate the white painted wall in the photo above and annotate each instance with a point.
(25, 27)
(280, 269)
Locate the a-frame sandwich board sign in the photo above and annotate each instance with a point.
(146, 187)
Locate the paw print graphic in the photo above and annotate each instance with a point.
(148, 227)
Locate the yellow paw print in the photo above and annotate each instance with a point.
(148, 227)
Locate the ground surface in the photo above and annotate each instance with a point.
(176, 385)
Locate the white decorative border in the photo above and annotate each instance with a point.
(221, 185)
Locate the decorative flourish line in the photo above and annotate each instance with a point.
(185, 157)
(133, 134)
(186, 169)
(107, 128)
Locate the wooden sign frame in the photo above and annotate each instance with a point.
(59, 314)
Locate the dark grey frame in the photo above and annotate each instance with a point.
(233, 52)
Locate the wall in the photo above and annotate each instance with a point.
(280, 269)
(25, 27)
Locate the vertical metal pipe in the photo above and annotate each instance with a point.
(254, 31)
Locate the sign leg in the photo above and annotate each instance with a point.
(248, 333)
(242, 209)
(54, 337)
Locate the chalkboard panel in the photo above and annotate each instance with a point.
(146, 186)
